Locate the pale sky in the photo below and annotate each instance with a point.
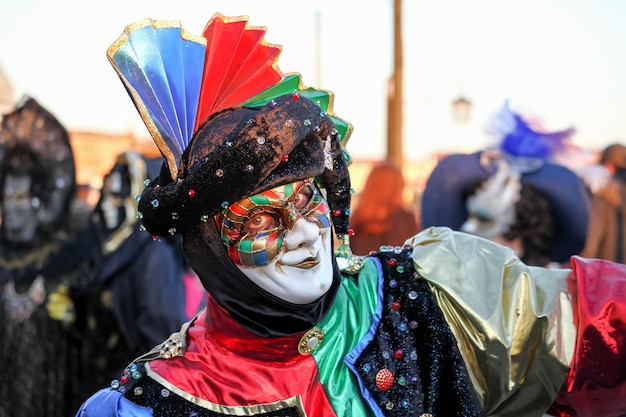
(563, 61)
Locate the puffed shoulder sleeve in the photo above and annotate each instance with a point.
(513, 322)
(109, 402)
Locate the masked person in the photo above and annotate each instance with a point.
(447, 325)
(133, 281)
(607, 230)
(511, 212)
(382, 217)
(45, 258)
(515, 192)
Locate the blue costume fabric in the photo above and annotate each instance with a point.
(136, 301)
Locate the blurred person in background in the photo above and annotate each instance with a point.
(137, 297)
(46, 253)
(513, 213)
(382, 216)
(607, 230)
(514, 192)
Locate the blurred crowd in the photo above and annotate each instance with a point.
(84, 289)
(537, 192)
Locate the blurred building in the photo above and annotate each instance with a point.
(95, 154)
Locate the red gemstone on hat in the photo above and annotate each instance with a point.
(398, 354)
(392, 262)
(336, 212)
(384, 379)
(285, 158)
(191, 192)
(396, 305)
(295, 96)
(351, 232)
(124, 379)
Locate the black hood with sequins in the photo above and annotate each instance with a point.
(242, 151)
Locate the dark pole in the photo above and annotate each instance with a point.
(318, 49)
(394, 128)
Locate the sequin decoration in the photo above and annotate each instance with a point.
(328, 158)
(412, 367)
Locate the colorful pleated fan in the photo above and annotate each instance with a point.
(177, 80)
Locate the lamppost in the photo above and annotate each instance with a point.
(461, 107)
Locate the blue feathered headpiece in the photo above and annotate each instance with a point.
(515, 137)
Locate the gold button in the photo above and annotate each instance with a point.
(311, 341)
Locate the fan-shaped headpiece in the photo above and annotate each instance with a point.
(226, 120)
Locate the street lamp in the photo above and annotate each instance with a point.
(461, 107)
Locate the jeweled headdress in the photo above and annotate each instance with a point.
(227, 121)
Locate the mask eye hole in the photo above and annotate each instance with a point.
(482, 218)
(260, 221)
(303, 197)
(21, 198)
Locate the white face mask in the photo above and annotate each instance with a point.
(303, 270)
(288, 228)
(492, 208)
(111, 202)
(20, 219)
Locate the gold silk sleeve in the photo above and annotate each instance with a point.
(513, 323)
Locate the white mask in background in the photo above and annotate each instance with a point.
(20, 219)
(492, 208)
(111, 202)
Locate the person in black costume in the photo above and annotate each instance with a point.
(137, 298)
(45, 259)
